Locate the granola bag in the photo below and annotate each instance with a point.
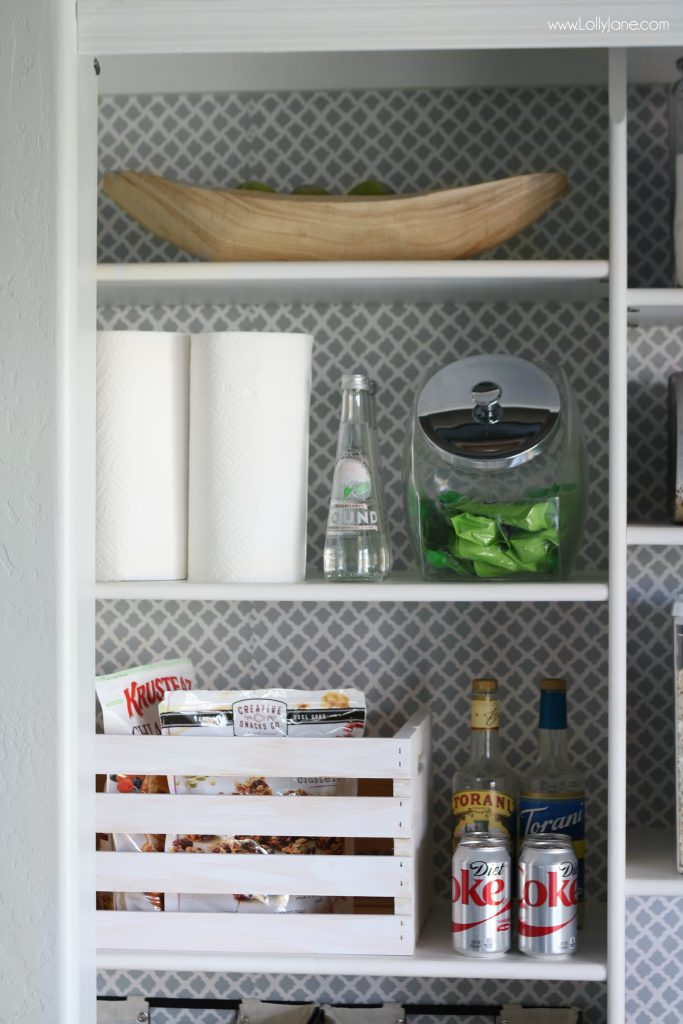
(130, 702)
(260, 713)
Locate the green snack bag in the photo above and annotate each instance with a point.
(534, 517)
(534, 547)
(487, 571)
(478, 529)
(492, 554)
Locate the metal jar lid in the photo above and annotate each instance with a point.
(490, 412)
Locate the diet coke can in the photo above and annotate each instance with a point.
(482, 895)
(548, 874)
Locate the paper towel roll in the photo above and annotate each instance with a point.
(142, 445)
(249, 404)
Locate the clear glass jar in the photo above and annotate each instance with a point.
(495, 472)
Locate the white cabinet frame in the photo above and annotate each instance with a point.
(198, 26)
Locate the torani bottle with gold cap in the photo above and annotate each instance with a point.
(484, 788)
(553, 793)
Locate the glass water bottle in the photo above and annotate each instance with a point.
(356, 543)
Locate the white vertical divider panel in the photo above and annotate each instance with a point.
(46, 629)
(617, 551)
(77, 305)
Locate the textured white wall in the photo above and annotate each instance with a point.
(32, 320)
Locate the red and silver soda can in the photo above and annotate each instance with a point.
(548, 874)
(482, 895)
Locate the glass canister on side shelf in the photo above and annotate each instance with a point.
(495, 471)
(676, 142)
(357, 542)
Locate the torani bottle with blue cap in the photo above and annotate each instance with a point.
(553, 795)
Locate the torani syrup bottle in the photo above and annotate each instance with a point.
(553, 793)
(485, 788)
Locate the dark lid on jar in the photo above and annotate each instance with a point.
(490, 412)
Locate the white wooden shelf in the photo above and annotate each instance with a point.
(651, 863)
(651, 306)
(433, 958)
(404, 281)
(262, 26)
(398, 587)
(654, 534)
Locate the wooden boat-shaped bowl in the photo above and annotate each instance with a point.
(240, 225)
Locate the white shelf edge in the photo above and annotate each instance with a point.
(269, 26)
(400, 587)
(651, 863)
(652, 306)
(403, 280)
(654, 535)
(433, 958)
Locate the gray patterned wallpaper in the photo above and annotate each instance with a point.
(654, 939)
(395, 344)
(655, 578)
(399, 654)
(412, 139)
(654, 353)
(649, 188)
(589, 996)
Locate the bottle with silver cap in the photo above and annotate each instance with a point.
(356, 543)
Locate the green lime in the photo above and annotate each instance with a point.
(310, 190)
(371, 188)
(256, 186)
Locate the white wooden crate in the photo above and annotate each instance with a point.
(403, 817)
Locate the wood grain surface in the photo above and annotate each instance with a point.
(240, 225)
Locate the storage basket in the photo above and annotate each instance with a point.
(402, 817)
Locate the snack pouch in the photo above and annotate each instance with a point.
(339, 713)
(130, 707)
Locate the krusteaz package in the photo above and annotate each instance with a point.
(130, 702)
(260, 713)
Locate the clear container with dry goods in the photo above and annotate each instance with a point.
(495, 471)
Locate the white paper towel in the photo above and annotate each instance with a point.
(249, 405)
(142, 448)
(678, 220)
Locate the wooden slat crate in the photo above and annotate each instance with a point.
(403, 818)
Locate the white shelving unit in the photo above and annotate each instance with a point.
(651, 306)
(654, 535)
(133, 29)
(478, 281)
(418, 281)
(433, 958)
(651, 863)
(400, 587)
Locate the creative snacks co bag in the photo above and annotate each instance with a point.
(130, 707)
(262, 713)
